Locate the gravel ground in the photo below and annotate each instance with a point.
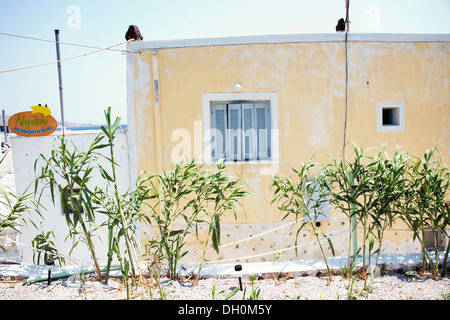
(388, 287)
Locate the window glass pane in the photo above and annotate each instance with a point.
(234, 132)
(263, 129)
(249, 131)
(219, 122)
(390, 116)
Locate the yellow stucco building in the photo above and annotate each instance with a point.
(305, 95)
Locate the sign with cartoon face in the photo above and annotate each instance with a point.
(36, 123)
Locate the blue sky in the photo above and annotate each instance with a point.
(94, 82)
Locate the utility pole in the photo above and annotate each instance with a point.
(347, 21)
(58, 57)
(5, 126)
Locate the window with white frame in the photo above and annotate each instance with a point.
(240, 130)
(241, 127)
(390, 116)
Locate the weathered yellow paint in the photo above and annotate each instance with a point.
(310, 80)
(414, 73)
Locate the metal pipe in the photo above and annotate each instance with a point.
(347, 21)
(4, 125)
(65, 274)
(157, 112)
(58, 57)
(353, 223)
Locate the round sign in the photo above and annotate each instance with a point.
(29, 124)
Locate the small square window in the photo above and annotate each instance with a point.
(390, 117)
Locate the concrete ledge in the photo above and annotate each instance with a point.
(33, 272)
(297, 268)
(287, 38)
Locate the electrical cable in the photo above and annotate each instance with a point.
(253, 237)
(53, 41)
(66, 59)
(388, 229)
(289, 248)
(347, 22)
(346, 96)
(249, 238)
(275, 251)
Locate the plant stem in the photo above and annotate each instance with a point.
(85, 231)
(202, 259)
(131, 249)
(321, 249)
(108, 264)
(444, 262)
(349, 245)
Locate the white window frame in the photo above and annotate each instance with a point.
(270, 97)
(400, 106)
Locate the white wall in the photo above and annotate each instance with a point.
(25, 151)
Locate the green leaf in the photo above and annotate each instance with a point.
(105, 174)
(175, 232)
(216, 233)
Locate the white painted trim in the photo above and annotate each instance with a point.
(157, 111)
(272, 97)
(288, 38)
(390, 128)
(398, 37)
(131, 119)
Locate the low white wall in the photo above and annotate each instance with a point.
(25, 151)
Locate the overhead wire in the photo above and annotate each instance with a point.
(346, 79)
(65, 59)
(60, 42)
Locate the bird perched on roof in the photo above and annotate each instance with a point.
(340, 25)
(133, 34)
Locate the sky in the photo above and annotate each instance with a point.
(97, 81)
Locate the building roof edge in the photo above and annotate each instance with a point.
(288, 38)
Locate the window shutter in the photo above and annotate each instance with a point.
(234, 137)
(249, 131)
(219, 125)
(262, 116)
